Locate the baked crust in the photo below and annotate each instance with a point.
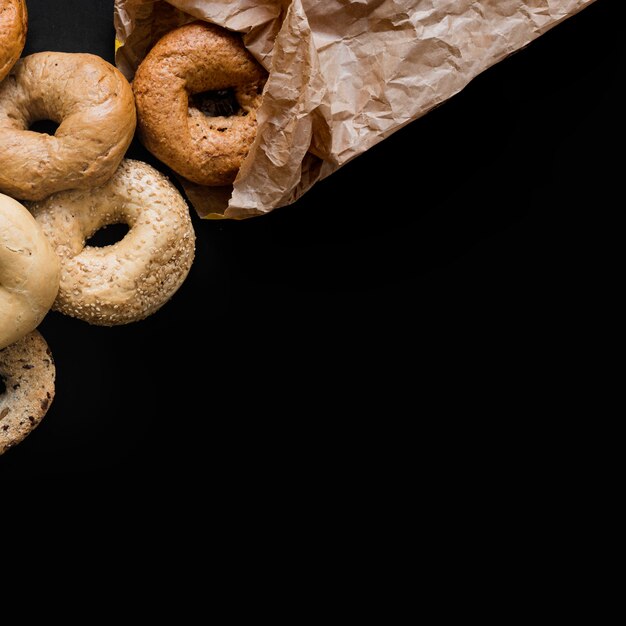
(28, 371)
(29, 272)
(13, 27)
(133, 278)
(90, 100)
(196, 58)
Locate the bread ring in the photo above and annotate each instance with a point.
(90, 100)
(29, 272)
(192, 60)
(13, 26)
(28, 372)
(134, 277)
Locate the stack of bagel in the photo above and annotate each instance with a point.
(57, 191)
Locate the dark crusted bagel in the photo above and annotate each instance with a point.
(13, 26)
(203, 144)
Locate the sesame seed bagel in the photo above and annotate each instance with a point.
(13, 26)
(90, 100)
(133, 278)
(171, 86)
(29, 272)
(28, 372)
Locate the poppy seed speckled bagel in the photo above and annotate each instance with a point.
(28, 372)
(29, 272)
(13, 26)
(90, 100)
(189, 61)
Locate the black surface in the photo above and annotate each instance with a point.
(424, 298)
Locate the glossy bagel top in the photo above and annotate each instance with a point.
(90, 100)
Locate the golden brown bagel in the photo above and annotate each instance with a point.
(134, 277)
(191, 60)
(90, 100)
(13, 26)
(29, 272)
(28, 372)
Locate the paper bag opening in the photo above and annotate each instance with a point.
(342, 75)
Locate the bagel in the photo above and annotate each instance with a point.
(28, 372)
(176, 120)
(29, 272)
(131, 279)
(90, 100)
(13, 27)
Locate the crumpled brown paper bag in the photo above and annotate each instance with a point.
(343, 75)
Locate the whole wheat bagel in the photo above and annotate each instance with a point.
(133, 278)
(13, 27)
(175, 123)
(27, 371)
(90, 100)
(29, 272)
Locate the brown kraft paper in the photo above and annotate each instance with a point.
(342, 75)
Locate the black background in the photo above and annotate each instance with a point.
(439, 277)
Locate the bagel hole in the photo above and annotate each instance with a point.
(221, 103)
(47, 127)
(108, 235)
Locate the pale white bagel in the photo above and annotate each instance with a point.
(28, 371)
(29, 272)
(133, 278)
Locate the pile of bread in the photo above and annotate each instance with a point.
(57, 191)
